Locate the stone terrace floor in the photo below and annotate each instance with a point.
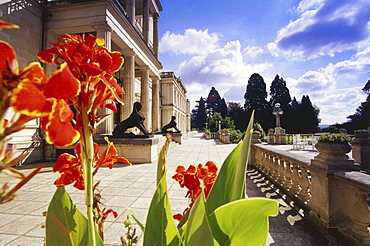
(133, 186)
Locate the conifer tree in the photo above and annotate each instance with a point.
(201, 114)
(255, 95)
(279, 92)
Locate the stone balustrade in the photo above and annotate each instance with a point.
(333, 196)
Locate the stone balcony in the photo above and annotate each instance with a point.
(329, 191)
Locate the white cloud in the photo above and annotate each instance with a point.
(324, 28)
(252, 51)
(192, 42)
(358, 64)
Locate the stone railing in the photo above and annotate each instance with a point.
(328, 187)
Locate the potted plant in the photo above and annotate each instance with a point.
(334, 144)
(256, 134)
(207, 134)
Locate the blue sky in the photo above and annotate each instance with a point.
(320, 47)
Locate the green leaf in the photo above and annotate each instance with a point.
(160, 228)
(230, 183)
(161, 164)
(135, 217)
(198, 231)
(243, 222)
(65, 224)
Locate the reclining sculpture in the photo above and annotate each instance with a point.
(135, 119)
(170, 125)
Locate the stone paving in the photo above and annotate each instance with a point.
(124, 186)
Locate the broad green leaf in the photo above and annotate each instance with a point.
(160, 228)
(65, 224)
(230, 183)
(198, 231)
(240, 173)
(243, 222)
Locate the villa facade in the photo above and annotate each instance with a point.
(127, 26)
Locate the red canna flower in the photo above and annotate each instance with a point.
(109, 156)
(91, 65)
(70, 166)
(192, 178)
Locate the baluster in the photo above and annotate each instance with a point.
(295, 179)
(281, 171)
(271, 166)
(361, 217)
(288, 176)
(276, 168)
(305, 193)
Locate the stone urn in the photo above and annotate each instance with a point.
(335, 149)
(333, 156)
(256, 137)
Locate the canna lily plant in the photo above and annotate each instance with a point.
(219, 213)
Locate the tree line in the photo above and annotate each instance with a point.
(298, 117)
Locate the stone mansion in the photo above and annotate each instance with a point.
(128, 26)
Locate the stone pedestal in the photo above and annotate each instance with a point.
(361, 150)
(177, 137)
(137, 150)
(327, 191)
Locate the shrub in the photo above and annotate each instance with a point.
(235, 135)
(335, 138)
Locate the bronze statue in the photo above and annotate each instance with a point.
(170, 125)
(135, 119)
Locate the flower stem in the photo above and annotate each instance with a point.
(87, 155)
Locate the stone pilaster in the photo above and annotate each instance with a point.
(155, 105)
(155, 34)
(130, 9)
(104, 31)
(128, 84)
(144, 92)
(146, 21)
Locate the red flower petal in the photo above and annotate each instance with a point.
(39, 106)
(8, 57)
(4, 24)
(47, 56)
(59, 131)
(62, 84)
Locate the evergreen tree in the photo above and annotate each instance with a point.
(223, 108)
(255, 99)
(201, 116)
(213, 101)
(308, 116)
(255, 96)
(292, 126)
(279, 92)
(239, 116)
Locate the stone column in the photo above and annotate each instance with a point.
(155, 34)
(146, 21)
(104, 31)
(144, 96)
(130, 9)
(155, 105)
(128, 84)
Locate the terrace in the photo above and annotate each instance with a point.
(326, 206)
